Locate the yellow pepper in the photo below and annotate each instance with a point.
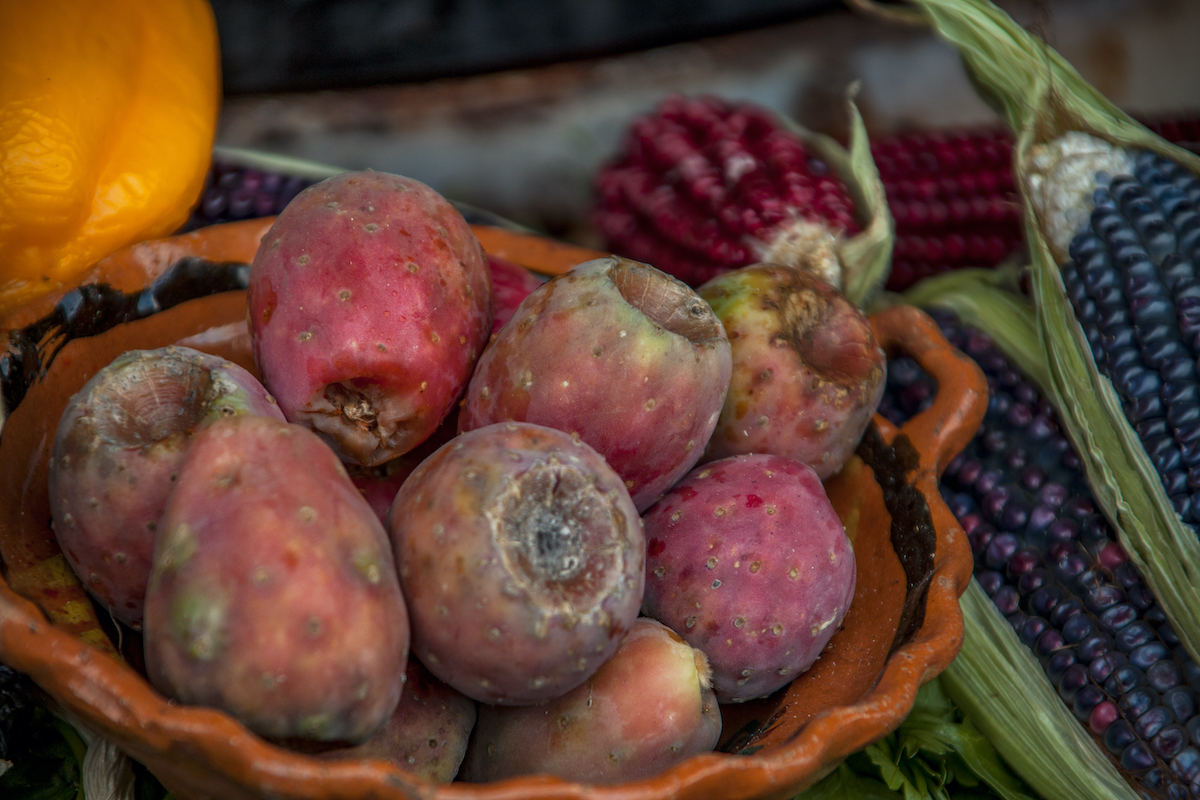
(107, 115)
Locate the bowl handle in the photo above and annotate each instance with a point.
(941, 431)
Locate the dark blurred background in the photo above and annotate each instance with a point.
(290, 45)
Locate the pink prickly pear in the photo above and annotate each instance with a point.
(522, 560)
(273, 594)
(118, 448)
(748, 561)
(427, 734)
(369, 302)
(647, 708)
(619, 354)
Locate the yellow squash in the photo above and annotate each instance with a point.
(107, 116)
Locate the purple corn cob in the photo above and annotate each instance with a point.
(1052, 565)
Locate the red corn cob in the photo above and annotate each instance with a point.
(952, 198)
(704, 185)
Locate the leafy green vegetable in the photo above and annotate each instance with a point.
(47, 761)
(935, 754)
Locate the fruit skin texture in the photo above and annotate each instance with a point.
(621, 355)
(648, 708)
(369, 302)
(748, 561)
(427, 734)
(522, 561)
(263, 547)
(118, 446)
(808, 372)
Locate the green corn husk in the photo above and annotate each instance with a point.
(1042, 97)
(865, 258)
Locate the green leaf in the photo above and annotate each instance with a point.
(48, 761)
(844, 784)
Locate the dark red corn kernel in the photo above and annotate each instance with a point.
(1086, 700)
(1103, 715)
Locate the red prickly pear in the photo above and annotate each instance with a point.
(378, 485)
(511, 283)
(648, 708)
(119, 444)
(619, 354)
(273, 594)
(748, 561)
(428, 733)
(369, 302)
(522, 560)
(808, 372)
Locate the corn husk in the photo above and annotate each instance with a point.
(1042, 97)
(1001, 688)
(865, 258)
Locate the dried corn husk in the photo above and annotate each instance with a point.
(1042, 97)
(866, 257)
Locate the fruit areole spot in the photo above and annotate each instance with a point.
(667, 301)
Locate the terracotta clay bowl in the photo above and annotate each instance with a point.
(903, 628)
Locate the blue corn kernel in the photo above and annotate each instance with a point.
(1187, 391)
(1134, 635)
(1149, 654)
(1093, 647)
(1119, 736)
(1144, 706)
(1124, 680)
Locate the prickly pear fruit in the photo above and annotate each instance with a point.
(522, 560)
(369, 302)
(427, 734)
(273, 595)
(647, 708)
(808, 372)
(511, 283)
(619, 354)
(748, 561)
(378, 485)
(119, 444)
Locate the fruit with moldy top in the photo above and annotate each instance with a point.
(748, 561)
(522, 557)
(118, 446)
(618, 354)
(263, 548)
(646, 709)
(427, 734)
(369, 302)
(808, 372)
